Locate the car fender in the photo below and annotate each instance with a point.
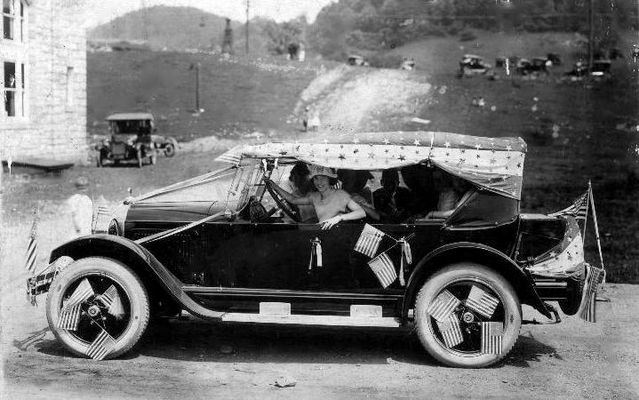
(140, 260)
(475, 252)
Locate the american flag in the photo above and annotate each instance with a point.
(594, 277)
(481, 302)
(232, 156)
(70, 318)
(443, 306)
(111, 300)
(578, 209)
(451, 331)
(491, 335)
(384, 269)
(81, 293)
(369, 240)
(32, 247)
(101, 346)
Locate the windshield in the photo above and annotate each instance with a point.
(131, 126)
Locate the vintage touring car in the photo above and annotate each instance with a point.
(226, 247)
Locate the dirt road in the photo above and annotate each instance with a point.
(192, 359)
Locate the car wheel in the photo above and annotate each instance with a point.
(170, 147)
(467, 316)
(97, 307)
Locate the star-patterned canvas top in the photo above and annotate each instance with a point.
(494, 163)
(565, 259)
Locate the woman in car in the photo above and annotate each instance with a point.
(331, 205)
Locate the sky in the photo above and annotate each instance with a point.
(101, 11)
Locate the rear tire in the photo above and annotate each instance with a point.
(126, 328)
(458, 279)
(170, 148)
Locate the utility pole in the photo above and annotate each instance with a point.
(591, 38)
(247, 26)
(196, 67)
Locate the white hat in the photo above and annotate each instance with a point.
(319, 170)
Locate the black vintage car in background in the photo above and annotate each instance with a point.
(226, 248)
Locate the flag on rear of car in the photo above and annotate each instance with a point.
(491, 337)
(369, 240)
(32, 247)
(451, 331)
(578, 209)
(81, 293)
(70, 318)
(384, 269)
(101, 346)
(594, 277)
(443, 306)
(480, 301)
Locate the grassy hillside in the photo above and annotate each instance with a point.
(238, 96)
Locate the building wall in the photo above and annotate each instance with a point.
(54, 125)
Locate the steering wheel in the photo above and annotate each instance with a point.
(289, 209)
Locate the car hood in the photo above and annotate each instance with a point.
(183, 211)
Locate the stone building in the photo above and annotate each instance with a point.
(43, 80)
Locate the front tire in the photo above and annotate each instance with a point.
(462, 346)
(98, 282)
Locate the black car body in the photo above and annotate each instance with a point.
(211, 246)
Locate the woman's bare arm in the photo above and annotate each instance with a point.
(298, 201)
(356, 212)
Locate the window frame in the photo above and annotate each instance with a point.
(17, 17)
(19, 89)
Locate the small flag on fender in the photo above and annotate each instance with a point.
(32, 247)
(369, 240)
(384, 269)
(491, 337)
(101, 346)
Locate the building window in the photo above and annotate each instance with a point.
(14, 90)
(13, 20)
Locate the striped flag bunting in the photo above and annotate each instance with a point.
(594, 277)
(101, 346)
(578, 209)
(451, 331)
(369, 241)
(111, 300)
(81, 293)
(232, 156)
(480, 301)
(70, 318)
(443, 306)
(384, 269)
(32, 248)
(491, 337)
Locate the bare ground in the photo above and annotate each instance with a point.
(195, 359)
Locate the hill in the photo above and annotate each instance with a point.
(177, 28)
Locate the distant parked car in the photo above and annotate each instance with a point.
(600, 70)
(132, 138)
(356, 60)
(554, 58)
(536, 65)
(471, 64)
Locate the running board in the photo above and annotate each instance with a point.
(279, 313)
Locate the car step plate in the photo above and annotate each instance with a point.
(280, 313)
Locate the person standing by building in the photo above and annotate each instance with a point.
(80, 208)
